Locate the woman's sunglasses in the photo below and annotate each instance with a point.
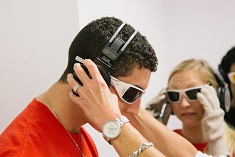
(174, 96)
(231, 77)
(127, 92)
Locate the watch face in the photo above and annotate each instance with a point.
(111, 129)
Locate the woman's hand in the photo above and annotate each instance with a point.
(213, 121)
(154, 107)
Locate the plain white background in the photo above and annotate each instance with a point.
(35, 37)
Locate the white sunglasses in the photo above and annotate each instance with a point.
(231, 77)
(127, 92)
(175, 96)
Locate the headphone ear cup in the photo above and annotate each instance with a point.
(76, 77)
(106, 76)
(223, 89)
(226, 79)
(221, 95)
(224, 97)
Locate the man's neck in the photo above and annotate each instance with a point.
(57, 99)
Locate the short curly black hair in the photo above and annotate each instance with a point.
(89, 42)
(224, 66)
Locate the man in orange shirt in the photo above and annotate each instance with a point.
(51, 125)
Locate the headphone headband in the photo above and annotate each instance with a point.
(117, 31)
(114, 48)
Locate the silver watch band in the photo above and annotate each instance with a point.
(122, 120)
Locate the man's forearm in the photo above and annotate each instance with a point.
(165, 140)
(131, 140)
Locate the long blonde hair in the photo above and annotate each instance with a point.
(230, 138)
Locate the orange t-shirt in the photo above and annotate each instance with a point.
(36, 132)
(199, 146)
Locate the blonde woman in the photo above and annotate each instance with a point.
(192, 96)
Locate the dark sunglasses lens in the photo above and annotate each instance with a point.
(192, 94)
(132, 94)
(173, 96)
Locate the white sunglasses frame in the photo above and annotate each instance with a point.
(230, 75)
(122, 87)
(181, 92)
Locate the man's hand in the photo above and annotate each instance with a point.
(95, 98)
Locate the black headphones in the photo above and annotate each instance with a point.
(222, 91)
(225, 64)
(113, 49)
(111, 52)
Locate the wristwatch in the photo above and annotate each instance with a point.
(112, 129)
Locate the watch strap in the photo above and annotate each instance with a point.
(122, 120)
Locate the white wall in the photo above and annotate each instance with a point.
(35, 37)
(34, 41)
(201, 29)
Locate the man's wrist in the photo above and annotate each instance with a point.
(112, 129)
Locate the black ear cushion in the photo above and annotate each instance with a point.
(224, 98)
(106, 76)
(226, 79)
